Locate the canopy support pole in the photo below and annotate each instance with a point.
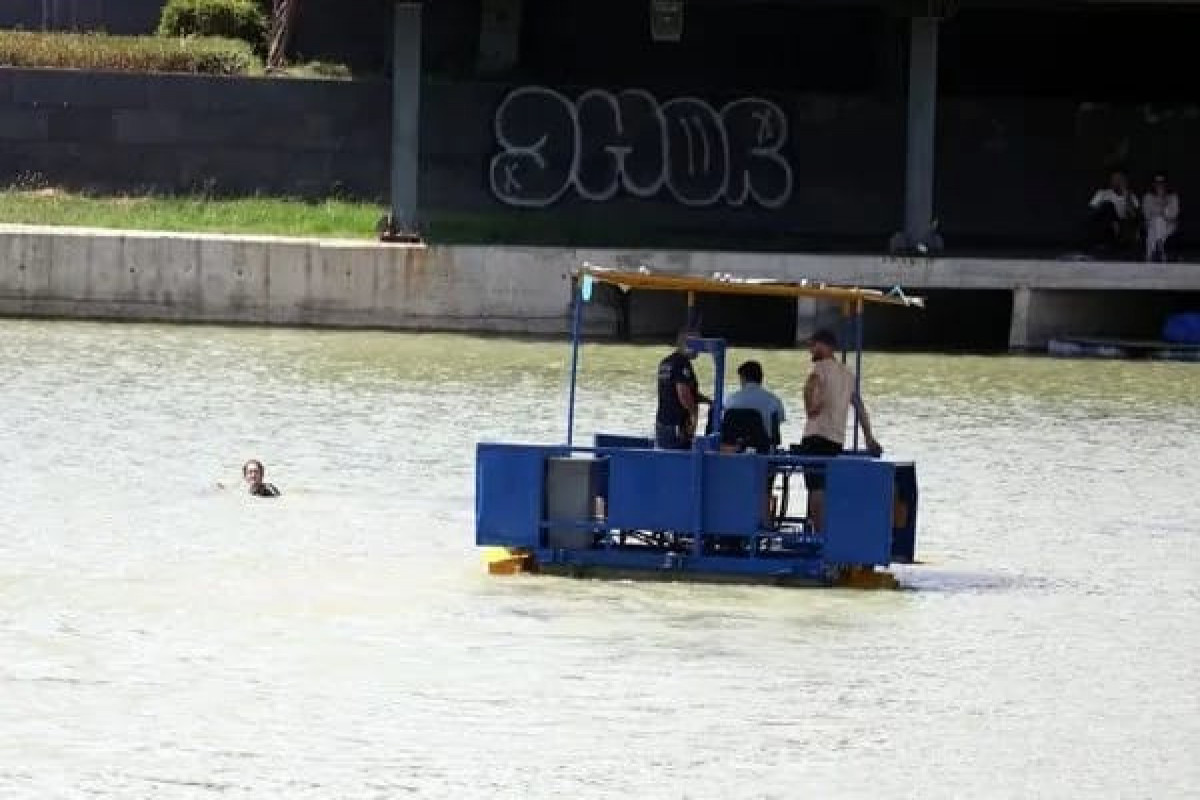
(858, 347)
(576, 324)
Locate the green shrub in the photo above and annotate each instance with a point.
(230, 19)
(127, 53)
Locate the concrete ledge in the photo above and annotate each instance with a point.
(145, 275)
(138, 275)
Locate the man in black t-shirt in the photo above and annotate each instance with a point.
(678, 398)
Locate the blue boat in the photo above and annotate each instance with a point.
(618, 507)
(1127, 349)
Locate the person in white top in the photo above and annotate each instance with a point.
(1114, 215)
(1160, 207)
(828, 395)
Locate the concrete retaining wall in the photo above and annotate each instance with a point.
(210, 278)
(146, 276)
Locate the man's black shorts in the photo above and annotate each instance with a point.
(814, 477)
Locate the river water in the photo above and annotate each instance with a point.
(162, 637)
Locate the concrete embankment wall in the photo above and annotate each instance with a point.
(82, 273)
(198, 278)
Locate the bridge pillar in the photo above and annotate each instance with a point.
(812, 315)
(806, 319)
(922, 124)
(1018, 330)
(406, 104)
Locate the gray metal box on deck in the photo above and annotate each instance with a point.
(572, 486)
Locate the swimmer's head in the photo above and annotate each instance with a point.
(253, 472)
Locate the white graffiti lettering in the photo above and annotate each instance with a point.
(604, 143)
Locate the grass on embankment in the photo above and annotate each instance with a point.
(97, 51)
(255, 215)
(281, 216)
(199, 55)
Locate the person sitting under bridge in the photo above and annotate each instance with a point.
(1113, 222)
(1160, 208)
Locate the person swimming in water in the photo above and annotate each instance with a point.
(253, 473)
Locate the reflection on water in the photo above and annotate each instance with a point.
(162, 637)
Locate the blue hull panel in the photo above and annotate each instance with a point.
(627, 511)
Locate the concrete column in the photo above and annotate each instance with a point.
(812, 315)
(806, 319)
(406, 114)
(922, 121)
(499, 35)
(1018, 329)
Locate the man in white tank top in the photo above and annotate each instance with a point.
(829, 393)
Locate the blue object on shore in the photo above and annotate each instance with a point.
(1182, 328)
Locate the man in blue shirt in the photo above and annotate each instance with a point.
(752, 395)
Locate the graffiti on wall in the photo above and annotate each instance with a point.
(605, 143)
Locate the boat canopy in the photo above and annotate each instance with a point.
(732, 284)
(852, 299)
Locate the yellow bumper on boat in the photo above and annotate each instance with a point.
(514, 561)
(507, 561)
(865, 578)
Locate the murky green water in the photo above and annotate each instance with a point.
(160, 637)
